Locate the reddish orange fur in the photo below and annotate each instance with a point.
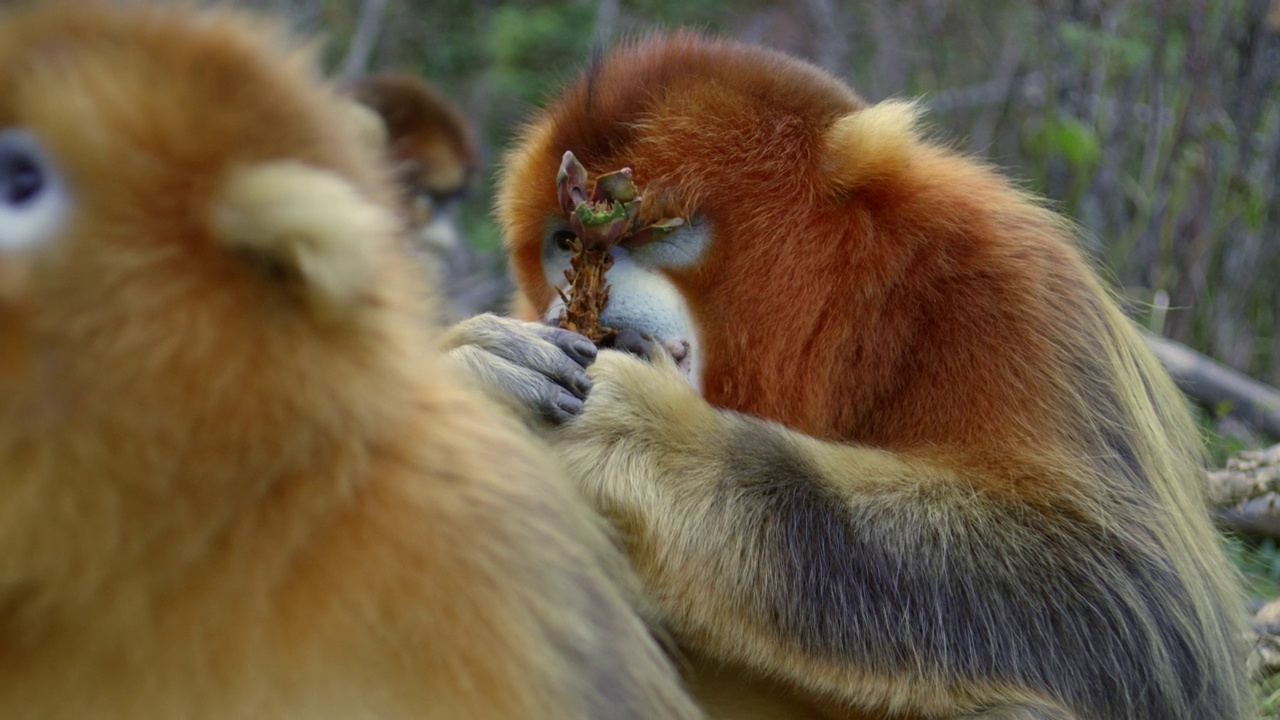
(215, 499)
(765, 286)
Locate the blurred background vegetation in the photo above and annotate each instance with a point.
(1156, 125)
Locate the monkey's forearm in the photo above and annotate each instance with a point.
(817, 559)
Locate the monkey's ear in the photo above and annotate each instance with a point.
(370, 126)
(873, 143)
(307, 227)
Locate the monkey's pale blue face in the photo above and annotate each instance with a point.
(641, 297)
(34, 203)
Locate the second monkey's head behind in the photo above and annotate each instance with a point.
(431, 147)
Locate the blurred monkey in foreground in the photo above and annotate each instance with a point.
(232, 484)
(908, 459)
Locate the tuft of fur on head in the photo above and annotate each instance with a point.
(372, 128)
(872, 144)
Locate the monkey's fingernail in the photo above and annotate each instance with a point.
(586, 349)
(633, 342)
(584, 383)
(569, 404)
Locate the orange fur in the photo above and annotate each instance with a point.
(235, 478)
(950, 373)
(767, 121)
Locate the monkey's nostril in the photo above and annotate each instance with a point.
(679, 349)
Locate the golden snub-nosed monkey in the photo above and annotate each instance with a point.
(909, 458)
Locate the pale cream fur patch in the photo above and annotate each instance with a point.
(309, 219)
(372, 130)
(873, 143)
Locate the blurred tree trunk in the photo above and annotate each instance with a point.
(368, 26)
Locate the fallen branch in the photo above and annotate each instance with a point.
(1247, 492)
(1256, 518)
(1214, 385)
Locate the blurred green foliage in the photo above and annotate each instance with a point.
(1260, 562)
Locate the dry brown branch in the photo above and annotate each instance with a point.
(601, 213)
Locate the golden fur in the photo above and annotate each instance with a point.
(235, 479)
(933, 470)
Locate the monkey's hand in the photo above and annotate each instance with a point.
(638, 386)
(641, 408)
(537, 368)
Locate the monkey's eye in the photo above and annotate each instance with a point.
(33, 203)
(563, 240)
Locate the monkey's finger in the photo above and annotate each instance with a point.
(576, 346)
(531, 389)
(560, 355)
(546, 359)
(573, 344)
(635, 342)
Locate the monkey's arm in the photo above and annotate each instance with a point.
(850, 567)
(528, 366)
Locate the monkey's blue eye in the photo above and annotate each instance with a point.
(21, 179)
(33, 203)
